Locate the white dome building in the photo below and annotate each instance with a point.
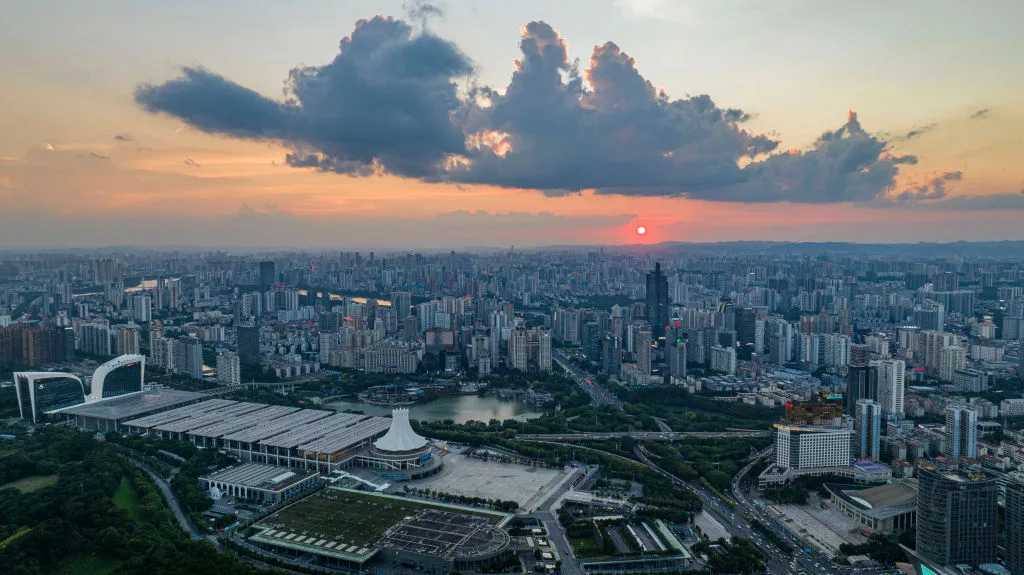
(402, 453)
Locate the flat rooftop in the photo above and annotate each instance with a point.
(345, 523)
(260, 476)
(133, 404)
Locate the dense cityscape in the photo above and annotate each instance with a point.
(438, 287)
(786, 409)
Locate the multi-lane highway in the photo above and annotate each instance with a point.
(598, 395)
(642, 435)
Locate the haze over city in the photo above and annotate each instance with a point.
(404, 124)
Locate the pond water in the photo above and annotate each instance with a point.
(458, 408)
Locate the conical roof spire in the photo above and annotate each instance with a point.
(400, 437)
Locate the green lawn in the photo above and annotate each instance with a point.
(126, 498)
(585, 547)
(85, 565)
(357, 518)
(32, 483)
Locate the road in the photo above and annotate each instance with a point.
(169, 497)
(598, 395)
(570, 565)
(813, 563)
(641, 435)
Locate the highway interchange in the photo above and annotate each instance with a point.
(737, 521)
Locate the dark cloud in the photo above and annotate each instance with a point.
(919, 131)
(96, 156)
(123, 138)
(979, 114)
(388, 103)
(421, 11)
(933, 190)
(382, 105)
(191, 162)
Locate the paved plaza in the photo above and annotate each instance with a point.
(827, 528)
(463, 475)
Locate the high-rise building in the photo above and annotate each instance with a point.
(723, 359)
(94, 339)
(611, 354)
(161, 353)
(1014, 521)
(643, 352)
(142, 308)
(812, 447)
(249, 344)
(746, 323)
(891, 386)
(228, 368)
(867, 430)
(128, 339)
(657, 301)
(956, 517)
(951, 359)
(401, 302)
(961, 433)
(188, 357)
(861, 383)
(268, 274)
(677, 359)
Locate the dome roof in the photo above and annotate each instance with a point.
(400, 437)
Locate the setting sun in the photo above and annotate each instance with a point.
(641, 230)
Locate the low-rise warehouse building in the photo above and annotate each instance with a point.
(260, 483)
(275, 435)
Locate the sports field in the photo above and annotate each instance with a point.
(349, 517)
(33, 483)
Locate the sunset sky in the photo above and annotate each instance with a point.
(357, 124)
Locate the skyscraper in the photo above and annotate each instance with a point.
(401, 302)
(249, 344)
(891, 386)
(643, 352)
(956, 516)
(677, 359)
(868, 430)
(657, 301)
(611, 354)
(228, 368)
(1014, 541)
(961, 433)
(861, 383)
(268, 273)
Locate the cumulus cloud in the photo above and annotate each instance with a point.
(933, 190)
(389, 103)
(382, 105)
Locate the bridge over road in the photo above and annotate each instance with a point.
(643, 435)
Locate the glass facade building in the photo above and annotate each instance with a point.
(956, 517)
(119, 376)
(40, 392)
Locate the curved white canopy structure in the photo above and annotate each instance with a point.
(43, 391)
(116, 366)
(400, 437)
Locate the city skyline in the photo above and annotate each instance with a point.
(120, 133)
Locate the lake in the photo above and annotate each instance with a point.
(459, 408)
